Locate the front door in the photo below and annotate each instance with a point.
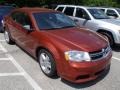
(82, 18)
(21, 31)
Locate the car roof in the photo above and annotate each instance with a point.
(107, 8)
(87, 7)
(34, 9)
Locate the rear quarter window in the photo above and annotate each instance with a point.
(60, 9)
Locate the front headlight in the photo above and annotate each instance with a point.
(77, 56)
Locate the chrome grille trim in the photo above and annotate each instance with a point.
(99, 55)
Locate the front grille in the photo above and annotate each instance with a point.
(100, 53)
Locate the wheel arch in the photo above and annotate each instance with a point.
(106, 31)
(51, 50)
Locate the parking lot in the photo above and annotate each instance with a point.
(19, 71)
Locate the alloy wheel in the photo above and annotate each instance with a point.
(45, 63)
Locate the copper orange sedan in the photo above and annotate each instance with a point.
(61, 48)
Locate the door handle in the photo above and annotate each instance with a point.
(76, 20)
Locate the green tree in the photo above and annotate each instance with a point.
(21, 3)
(101, 3)
(2, 1)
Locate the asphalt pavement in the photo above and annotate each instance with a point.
(19, 71)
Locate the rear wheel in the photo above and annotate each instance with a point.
(47, 63)
(8, 37)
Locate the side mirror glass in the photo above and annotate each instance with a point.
(27, 27)
(112, 14)
(86, 17)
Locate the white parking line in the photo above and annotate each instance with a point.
(116, 58)
(11, 74)
(19, 67)
(2, 40)
(1, 48)
(4, 59)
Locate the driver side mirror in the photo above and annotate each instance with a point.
(86, 17)
(28, 28)
(112, 14)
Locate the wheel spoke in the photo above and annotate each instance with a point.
(43, 56)
(48, 64)
(45, 63)
(47, 70)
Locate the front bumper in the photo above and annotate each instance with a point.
(85, 71)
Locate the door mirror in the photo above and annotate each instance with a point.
(28, 28)
(112, 14)
(115, 15)
(86, 17)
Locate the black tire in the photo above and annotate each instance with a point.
(7, 37)
(1, 30)
(51, 60)
(109, 37)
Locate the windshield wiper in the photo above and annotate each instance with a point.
(51, 28)
(67, 26)
(58, 28)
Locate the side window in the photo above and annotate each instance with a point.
(14, 16)
(69, 11)
(80, 13)
(102, 10)
(22, 19)
(60, 9)
(111, 13)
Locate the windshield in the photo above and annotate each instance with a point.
(98, 14)
(53, 20)
(118, 10)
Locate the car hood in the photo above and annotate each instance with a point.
(78, 38)
(112, 21)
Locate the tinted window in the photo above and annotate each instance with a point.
(50, 21)
(21, 18)
(98, 14)
(102, 10)
(60, 9)
(111, 13)
(14, 16)
(69, 11)
(81, 13)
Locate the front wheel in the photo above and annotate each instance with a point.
(109, 38)
(47, 63)
(8, 37)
